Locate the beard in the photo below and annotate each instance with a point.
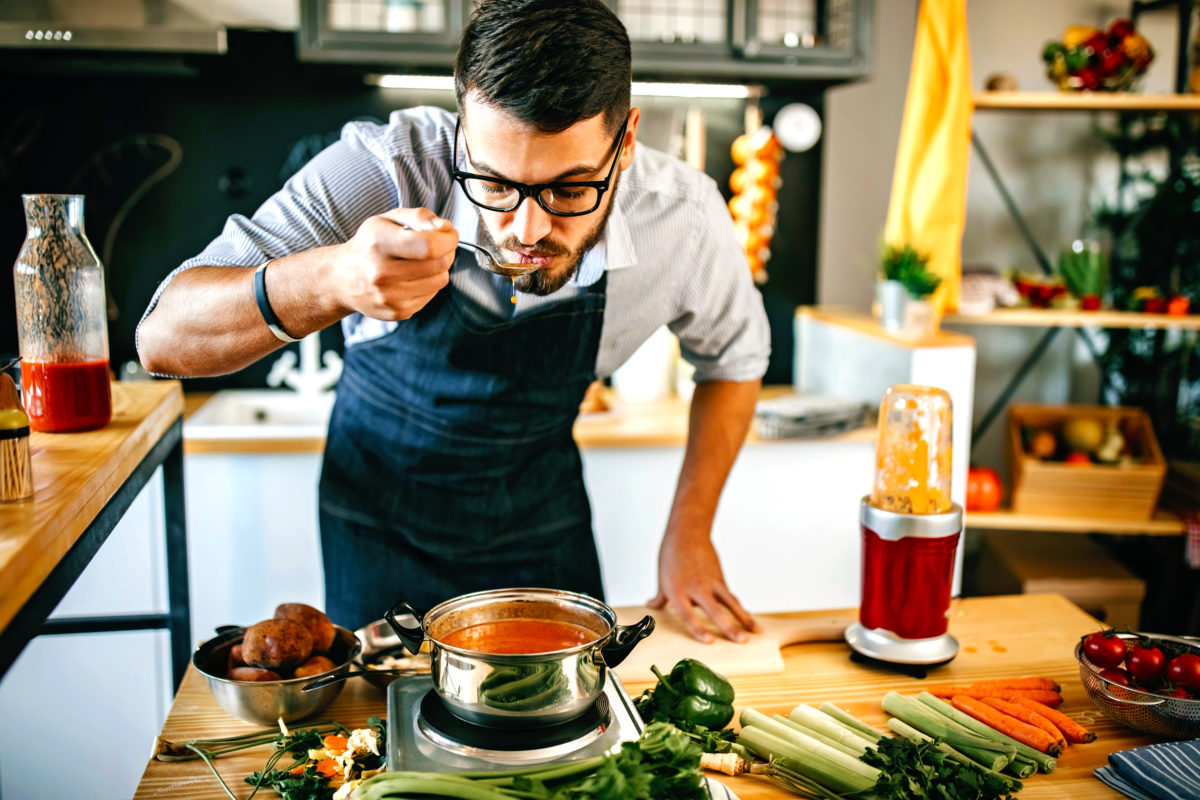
(543, 281)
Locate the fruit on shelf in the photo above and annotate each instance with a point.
(1083, 434)
(1043, 444)
(1089, 59)
(1111, 446)
(984, 489)
(1179, 305)
(1039, 292)
(1078, 459)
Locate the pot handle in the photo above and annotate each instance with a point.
(624, 639)
(411, 636)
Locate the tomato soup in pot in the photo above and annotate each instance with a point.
(519, 636)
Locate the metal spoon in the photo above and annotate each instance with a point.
(329, 680)
(506, 268)
(492, 264)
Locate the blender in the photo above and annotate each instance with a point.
(910, 532)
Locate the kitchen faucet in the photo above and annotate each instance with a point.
(308, 378)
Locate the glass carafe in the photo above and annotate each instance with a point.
(62, 326)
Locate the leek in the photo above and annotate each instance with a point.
(813, 760)
(1045, 763)
(820, 737)
(823, 724)
(851, 722)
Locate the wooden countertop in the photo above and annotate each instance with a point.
(626, 424)
(1000, 637)
(74, 476)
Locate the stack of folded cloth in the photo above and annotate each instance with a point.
(1168, 771)
(807, 415)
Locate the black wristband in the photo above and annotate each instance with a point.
(264, 306)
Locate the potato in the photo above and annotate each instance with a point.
(277, 644)
(235, 657)
(252, 674)
(317, 623)
(314, 666)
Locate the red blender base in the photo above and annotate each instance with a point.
(908, 569)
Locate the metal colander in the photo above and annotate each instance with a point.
(1169, 717)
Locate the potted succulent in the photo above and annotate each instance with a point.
(903, 291)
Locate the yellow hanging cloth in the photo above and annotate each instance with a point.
(929, 185)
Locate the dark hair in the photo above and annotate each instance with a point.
(550, 63)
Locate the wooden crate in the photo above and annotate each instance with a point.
(1056, 488)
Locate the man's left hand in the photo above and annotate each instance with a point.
(690, 580)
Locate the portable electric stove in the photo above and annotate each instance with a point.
(423, 734)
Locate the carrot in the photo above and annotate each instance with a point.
(1036, 738)
(1041, 695)
(1018, 684)
(1070, 728)
(327, 767)
(1029, 717)
(335, 742)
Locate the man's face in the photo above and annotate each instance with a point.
(504, 147)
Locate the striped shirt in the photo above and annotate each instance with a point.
(669, 247)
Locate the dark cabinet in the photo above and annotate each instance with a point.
(760, 41)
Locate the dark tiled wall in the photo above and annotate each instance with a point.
(166, 154)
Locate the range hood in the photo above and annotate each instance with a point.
(162, 26)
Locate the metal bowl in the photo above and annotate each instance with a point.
(265, 702)
(1169, 717)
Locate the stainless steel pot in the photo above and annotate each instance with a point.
(505, 690)
(267, 701)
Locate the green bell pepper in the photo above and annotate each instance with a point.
(694, 693)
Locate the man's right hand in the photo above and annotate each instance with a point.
(395, 263)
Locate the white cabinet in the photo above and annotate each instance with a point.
(79, 712)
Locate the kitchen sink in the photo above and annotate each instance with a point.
(261, 414)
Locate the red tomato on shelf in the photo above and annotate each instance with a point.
(983, 489)
(1079, 459)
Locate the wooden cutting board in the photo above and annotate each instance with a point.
(759, 656)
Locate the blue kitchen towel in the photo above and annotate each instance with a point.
(1168, 771)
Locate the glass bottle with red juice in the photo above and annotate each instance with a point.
(62, 325)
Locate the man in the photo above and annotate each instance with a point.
(449, 464)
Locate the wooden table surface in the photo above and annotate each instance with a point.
(74, 476)
(999, 637)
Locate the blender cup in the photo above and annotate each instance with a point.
(910, 531)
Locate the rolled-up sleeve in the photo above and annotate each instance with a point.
(722, 325)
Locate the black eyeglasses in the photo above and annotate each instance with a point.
(564, 199)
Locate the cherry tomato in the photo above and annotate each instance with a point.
(1145, 664)
(1116, 675)
(1178, 691)
(1104, 649)
(1184, 671)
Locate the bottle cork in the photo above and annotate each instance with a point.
(16, 467)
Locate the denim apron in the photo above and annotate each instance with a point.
(450, 465)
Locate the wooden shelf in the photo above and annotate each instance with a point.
(1084, 101)
(1164, 523)
(1048, 318)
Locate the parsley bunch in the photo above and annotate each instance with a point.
(919, 769)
